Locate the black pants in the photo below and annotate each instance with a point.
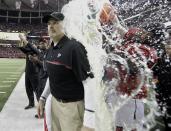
(165, 107)
(31, 83)
(167, 118)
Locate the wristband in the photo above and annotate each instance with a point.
(43, 98)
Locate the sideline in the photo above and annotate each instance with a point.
(13, 117)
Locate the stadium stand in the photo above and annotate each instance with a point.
(24, 16)
(8, 51)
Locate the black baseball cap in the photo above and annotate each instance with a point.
(58, 16)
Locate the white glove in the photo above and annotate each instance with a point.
(22, 39)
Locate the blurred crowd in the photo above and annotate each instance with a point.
(8, 51)
(16, 27)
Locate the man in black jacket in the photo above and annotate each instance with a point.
(163, 72)
(67, 67)
(31, 72)
(39, 60)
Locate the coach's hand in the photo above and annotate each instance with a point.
(40, 108)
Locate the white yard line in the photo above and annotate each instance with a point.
(10, 72)
(12, 78)
(7, 81)
(2, 86)
(9, 67)
(14, 75)
(7, 64)
(1, 92)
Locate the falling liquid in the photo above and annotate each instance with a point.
(81, 24)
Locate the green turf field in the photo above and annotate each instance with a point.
(10, 72)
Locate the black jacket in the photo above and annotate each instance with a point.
(163, 71)
(31, 68)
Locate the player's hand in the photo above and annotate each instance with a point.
(23, 39)
(30, 57)
(155, 81)
(21, 36)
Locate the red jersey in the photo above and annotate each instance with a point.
(129, 81)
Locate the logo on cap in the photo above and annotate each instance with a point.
(59, 55)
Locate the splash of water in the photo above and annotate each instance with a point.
(81, 24)
(33, 3)
(18, 4)
(45, 1)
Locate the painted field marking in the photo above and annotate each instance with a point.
(9, 67)
(12, 78)
(1, 92)
(7, 81)
(14, 75)
(1, 86)
(10, 72)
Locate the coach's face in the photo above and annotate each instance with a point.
(55, 28)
